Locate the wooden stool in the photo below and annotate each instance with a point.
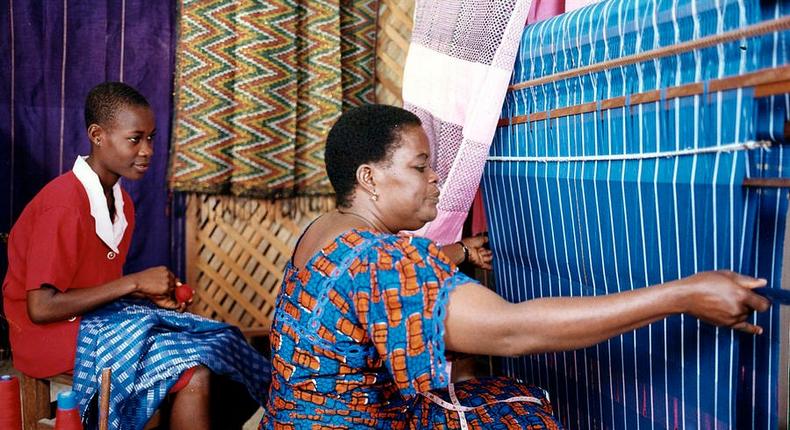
(38, 411)
(36, 405)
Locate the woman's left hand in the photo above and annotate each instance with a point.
(478, 254)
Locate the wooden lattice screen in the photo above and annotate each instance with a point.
(394, 32)
(237, 249)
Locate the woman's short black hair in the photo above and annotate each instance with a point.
(105, 99)
(365, 134)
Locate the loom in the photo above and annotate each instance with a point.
(641, 142)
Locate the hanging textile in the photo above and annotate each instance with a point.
(259, 84)
(51, 55)
(544, 9)
(358, 51)
(619, 163)
(538, 11)
(456, 74)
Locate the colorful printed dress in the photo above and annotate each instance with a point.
(358, 338)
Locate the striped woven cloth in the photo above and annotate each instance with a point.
(147, 349)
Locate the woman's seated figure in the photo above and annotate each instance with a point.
(366, 313)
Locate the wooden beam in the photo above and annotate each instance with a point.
(104, 399)
(783, 395)
(767, 182)
(766, 82)
(765, 27)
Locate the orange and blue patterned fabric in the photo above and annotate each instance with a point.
(494, 403)
(359, 332)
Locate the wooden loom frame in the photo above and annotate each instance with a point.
(766, 82)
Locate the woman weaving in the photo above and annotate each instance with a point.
(366, 314)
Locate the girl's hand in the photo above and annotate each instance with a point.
(167, 302)
(158, 285)
(156, 281)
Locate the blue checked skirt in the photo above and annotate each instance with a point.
(148, 348)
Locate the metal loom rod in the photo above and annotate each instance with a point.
(766, 82)
(772, 26)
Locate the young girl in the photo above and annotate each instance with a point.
(67, 249)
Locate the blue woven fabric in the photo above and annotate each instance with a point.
(569, 216)
(148, 348)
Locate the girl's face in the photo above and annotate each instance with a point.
(125, 146)
(407, 184)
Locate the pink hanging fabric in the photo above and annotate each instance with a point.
(576, 4)
(456, 75)
(457, 71)
(538, 11)
(544, 9)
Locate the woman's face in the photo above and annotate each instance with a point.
(406, 184)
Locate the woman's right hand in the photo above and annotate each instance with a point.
(724, 298)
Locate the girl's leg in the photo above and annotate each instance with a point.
(190, 408)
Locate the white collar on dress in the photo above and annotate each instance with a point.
(108, 231)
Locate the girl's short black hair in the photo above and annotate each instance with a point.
(105, 99)
(362, 135)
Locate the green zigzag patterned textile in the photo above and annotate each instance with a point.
(358, 51)
(258, 84)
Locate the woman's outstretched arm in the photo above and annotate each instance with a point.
(481, 322)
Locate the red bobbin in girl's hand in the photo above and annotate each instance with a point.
(184, 293)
